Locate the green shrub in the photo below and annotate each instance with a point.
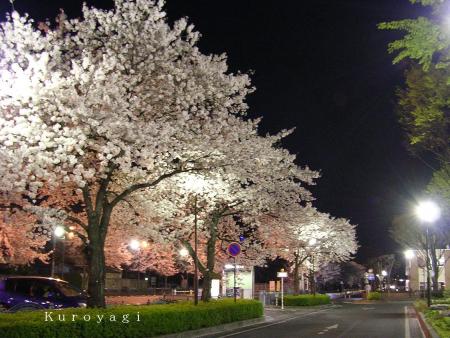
(441, 301)
(439, 322)
(374, 295)
(420, 305)
(153, 320)
(306, 300)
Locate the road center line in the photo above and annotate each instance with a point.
(276, 323)
(407, 329)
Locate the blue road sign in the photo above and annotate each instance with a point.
(234, 249)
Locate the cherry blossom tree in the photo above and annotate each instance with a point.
(107, 107)
(315, 239)
(235, 200)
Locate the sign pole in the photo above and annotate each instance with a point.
(233, 250)
(282, 275)
(234, 287)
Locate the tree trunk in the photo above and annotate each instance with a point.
(96, 270)
(98, 221)
(434, 265)
(210, 258)
(206, 293)
(296, 275)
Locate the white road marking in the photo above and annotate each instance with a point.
(279, 322)
(407, 329)
(368, 308)
(335, 326)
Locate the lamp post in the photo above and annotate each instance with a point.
(312, 242)
(428, 212)
(184, 253)
(135, 245)
(409, 255)
(196, 184)
(58, 232)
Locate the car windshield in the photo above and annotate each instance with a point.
(67, 290)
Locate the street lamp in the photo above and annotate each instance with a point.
(428, 212)
(196, 184)
(135, 245)
(58, 232)
(184, 252)
(409, 254)
(312, 242)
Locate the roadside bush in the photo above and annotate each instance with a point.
(306, 300)
(420, 305)
(126, 321)
(439, 322)
(374, 295)
(441, 301)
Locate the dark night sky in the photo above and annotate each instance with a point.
(322, 67)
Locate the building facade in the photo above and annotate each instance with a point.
(416, 272)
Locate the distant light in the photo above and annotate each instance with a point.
(384, 273)
(134, 244)
(146, 278)
(231, 266)
(401, 280)
(312, 241)
(184, 252)
(195, 183)
(392, 287)
(59, 231)
(409, 254)
(428, 211)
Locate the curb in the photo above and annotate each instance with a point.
(215, 329)
(426, 328)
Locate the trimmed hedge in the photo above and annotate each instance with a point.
(440, 323)
(306, 300)
(153, 320)
(374, 295)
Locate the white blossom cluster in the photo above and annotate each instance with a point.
(121, 110)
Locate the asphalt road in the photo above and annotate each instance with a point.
(381, 320)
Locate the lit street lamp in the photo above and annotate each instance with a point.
(312, 242)
(195, 184)
(58, 232)
(428, 212)
(135, 245)
(409, 254)
(184, 252)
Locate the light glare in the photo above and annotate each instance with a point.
(409, 254)
(184, 252)
(59, 231)
(428, 211)
(134, 244)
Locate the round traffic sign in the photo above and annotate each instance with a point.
(234, 249)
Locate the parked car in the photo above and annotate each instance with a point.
(21, 293)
